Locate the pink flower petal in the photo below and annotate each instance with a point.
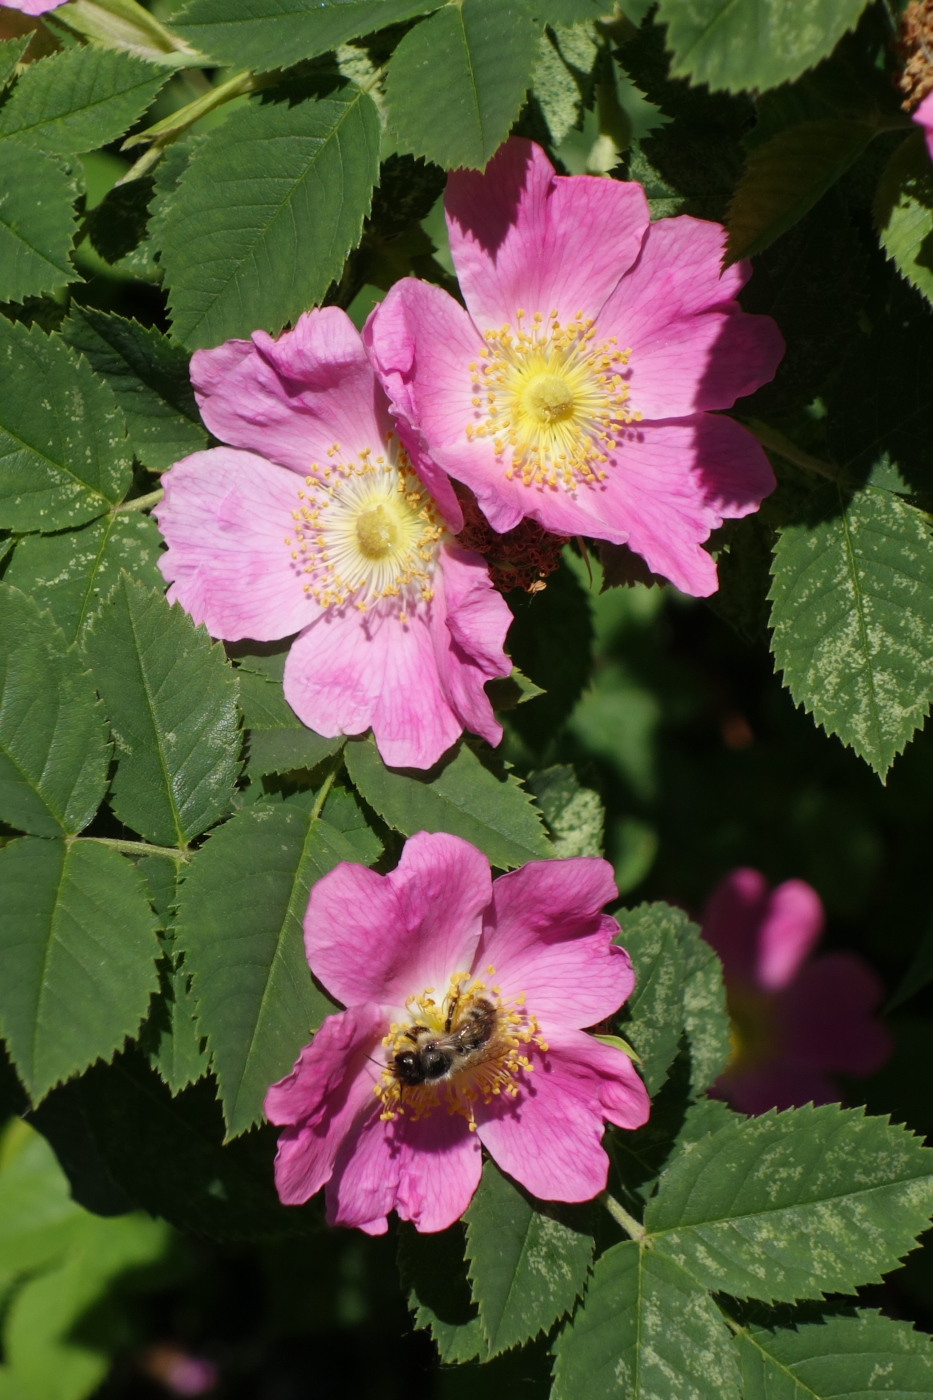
(777, 1085)
(521, 236)
(226, 516)
(331, 1084)
(469, 624)
(546, 936)
(349, 671)
(828, 1016)
(427, 1171)
(32, 7)
(924, 118)
(789, 931)
(550, 1138)
(373, 937)
(291, 399)
(731, 921)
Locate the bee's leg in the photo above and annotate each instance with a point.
(451, 1013)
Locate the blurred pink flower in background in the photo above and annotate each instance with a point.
(575, 386)
(31, 7)
(796, 1019)
(465, 1003)
(314, 523)
(924, 118)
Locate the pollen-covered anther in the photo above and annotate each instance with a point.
(468, 1047)
(556, 400)
(369, 531)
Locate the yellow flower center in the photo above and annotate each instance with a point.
(752, 1038)
(365, 530)
(465, 1047)
(552, 399)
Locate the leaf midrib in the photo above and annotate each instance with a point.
(74, 111)
(181, 840)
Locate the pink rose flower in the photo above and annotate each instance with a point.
(31, 7)
(796, 1020)
(318, 526)
(924, 118)
(464, 1002)
(574, 387)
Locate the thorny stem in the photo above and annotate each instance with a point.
(777, 442)
(621, 1216)
(140, 502)
(137, 848)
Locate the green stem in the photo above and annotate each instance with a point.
(208, 101)
(140, 502)
(326, 786)
(777, 442)
(621, 1216)
(136, 848)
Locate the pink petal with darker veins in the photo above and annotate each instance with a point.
(292, 398)
(546, 936)
(329, 1087)
(550, 1138)
(383, 938)
(225, 516)
(521, 236)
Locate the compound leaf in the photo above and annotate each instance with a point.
(53, 740)
(459, 795)
(852, 609)
(528, 1260)
(37, 224)
(79, 99)
(240, 927)
(71, 573)
(265, 214)
(794, 1205)
(749, 45)
(149, 378)
(841, 1358)
(278, 742)
(434, 1271)
(457, 81)
(171, 699)
(644, 1322)
(77, 956)
(63, 457)
(266, 34)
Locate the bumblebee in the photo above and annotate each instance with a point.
(435, 1056)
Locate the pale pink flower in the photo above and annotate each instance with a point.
(31, 7)
(465, 1001)
(319, 527)
(796, 1020)
(574, 387)
(924, 118)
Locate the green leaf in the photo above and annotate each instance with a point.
(71, 573)
(786, 176)
(171, 1037)
(751, 45)
(457, 81)
(551, 639)
(240, 926)
(278, 741)
(149, 377)
(904, 212)
(852, 608)
(63, 457)
(37, 1214)
(167, 1155)
(170, 696)
(794, 1205)
(433, 1270)
(645, 1329)
(528, 1260)
(53, 741)
(77, 956)
(80, 99)
(842, 1358)
(459, 795)
(37, 224)
(678, 989)
(574, 814)
(11, 51)
(266, 34)
(266, 212)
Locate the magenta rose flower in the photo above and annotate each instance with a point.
(465, 1001)
(796, 1020)
(575, 386)
(924, 118)
(313, 522)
